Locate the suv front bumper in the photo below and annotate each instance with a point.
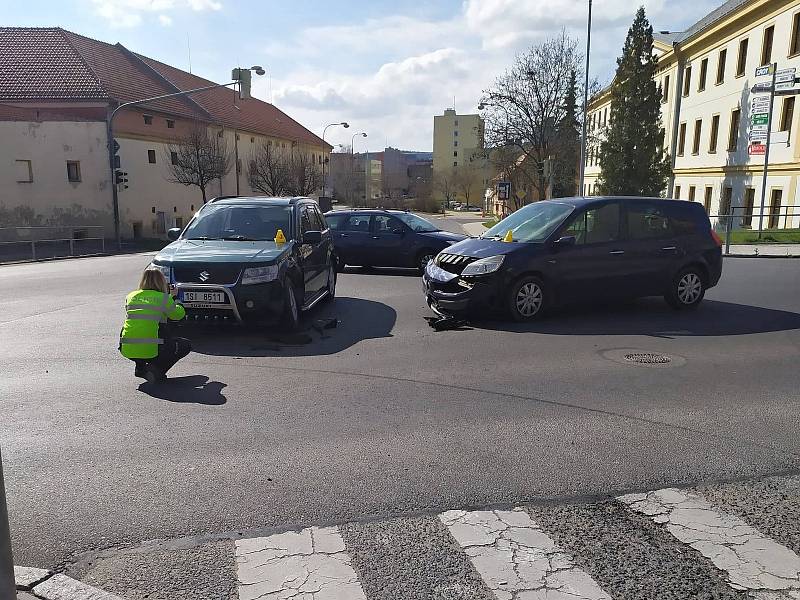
(244, 303)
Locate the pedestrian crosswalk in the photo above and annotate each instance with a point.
(625, 547)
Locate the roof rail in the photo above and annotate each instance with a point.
(223, 198)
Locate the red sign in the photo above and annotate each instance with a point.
(757, 149)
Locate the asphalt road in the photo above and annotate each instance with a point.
(383, 416)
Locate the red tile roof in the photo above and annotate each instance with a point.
(50, 64)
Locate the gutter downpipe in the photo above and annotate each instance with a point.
(673, 146)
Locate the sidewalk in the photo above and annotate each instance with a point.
(473, 229)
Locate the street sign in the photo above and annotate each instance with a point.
(766, 70)
(759, 128)
(779, 137)
(755, 100)
(759, 119)
(784, 85)
(784, 77)
(520, 194)
(761, 86)
(780, 72)
(503, 190)
(759, 110)
(754, 149)
(116, 146)
(758, 137)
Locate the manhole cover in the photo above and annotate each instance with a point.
(647, 358)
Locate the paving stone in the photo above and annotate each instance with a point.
(27, 577)
(61, 587)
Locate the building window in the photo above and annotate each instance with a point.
(677, 192)
(665, 90)
(605, 116)
(455, 134)
(191, 208)
(707, 198)
(252, 140)
(712, 143)
(733, 134)
(151, 157)
(179, 222)
(73, 171)
(681, 139)
(148, 119)
(687, 80)
(723, 55)
(787, 113)
(220, 133)
(173, 157)
(455, 123)
(794, 41)
(741, 62)
(170, 124)
(701, 84)
(775, 208)
(725, 202)
(455, 153)
(174, 209)
(455, 163)
(153, 210)
(24, 171)
(749, 201)
(691, 193)
(698, 128)
(766, 45)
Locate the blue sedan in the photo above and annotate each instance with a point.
(386, 238)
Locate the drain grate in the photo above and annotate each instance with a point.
(647, 358)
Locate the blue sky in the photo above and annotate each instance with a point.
(387, 67)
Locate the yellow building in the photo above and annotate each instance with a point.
(706, 74)
(458, 155)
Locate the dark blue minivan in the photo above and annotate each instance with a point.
(386, 238)
(557, 251)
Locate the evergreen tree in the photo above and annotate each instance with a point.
(633, 161)
(568, 135)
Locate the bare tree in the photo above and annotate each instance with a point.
(304, 176)
(468, 182)
(444, 183)
(197, 158)
(524, 107)
(269, 171)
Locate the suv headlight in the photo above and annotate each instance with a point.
(484, 266)
(166, 271)
(259, 275)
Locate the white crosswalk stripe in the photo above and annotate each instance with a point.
(310, 564)
(516, 559)
(752, 561)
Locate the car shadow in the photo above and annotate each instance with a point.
(326, 329)
(193, 389)
(653, 317)
(391, 271)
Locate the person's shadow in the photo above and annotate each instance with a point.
(193, 389)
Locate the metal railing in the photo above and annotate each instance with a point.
(732, 225)
(38, 243)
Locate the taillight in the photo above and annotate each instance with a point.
(717, 239)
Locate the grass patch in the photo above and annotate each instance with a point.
(769, 236)
(490, 224)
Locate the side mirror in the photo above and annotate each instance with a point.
(174, 233)
(564, 242)
(399, 231)
(312, 237)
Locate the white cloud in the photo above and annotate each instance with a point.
(129, 13)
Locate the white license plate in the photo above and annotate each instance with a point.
(207, 297)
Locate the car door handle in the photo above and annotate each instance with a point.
(342, 235)
(376, 237)
(669, 249)
(617, 252)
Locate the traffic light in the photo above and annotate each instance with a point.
(121, 178)
(244, 77)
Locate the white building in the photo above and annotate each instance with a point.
(56, 93)
(706, 74)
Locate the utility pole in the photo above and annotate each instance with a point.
(585, 100)
(7, 583)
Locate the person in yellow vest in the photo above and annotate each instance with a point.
(145, 337)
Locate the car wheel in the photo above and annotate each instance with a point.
(688, 289)
(331, 285)
(526, 300)
(291, 311)
(423, 258)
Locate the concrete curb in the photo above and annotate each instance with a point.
(46, 585)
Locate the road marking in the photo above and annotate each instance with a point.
(752, 561)
(310, 563)
(516, 559)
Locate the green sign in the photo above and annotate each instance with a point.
(760, 119)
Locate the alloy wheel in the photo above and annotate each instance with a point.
(529, 299)
(690, 287)
(424, 260)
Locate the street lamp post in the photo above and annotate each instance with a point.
(7, 583)
(585, 100)
(353, 156)
(113, 146)
(344, 124)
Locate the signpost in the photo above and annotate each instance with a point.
(755, 149)
(759, 119)
(765, 152)
(7, 583)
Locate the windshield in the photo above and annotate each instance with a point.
(416, 223)
(532, 223)
(242, 223)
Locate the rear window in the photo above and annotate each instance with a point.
(335, 221)
(648, 221)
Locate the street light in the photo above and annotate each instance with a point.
(344, 124)
(585, 99)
